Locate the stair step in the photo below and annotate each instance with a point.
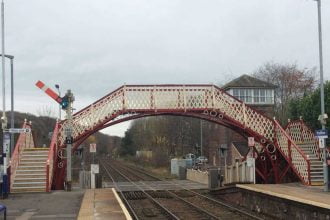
(30, 176)
(317, 176)
(30, 183)
(316, 167)
(28, 180)
(25, 189)
(31, 167)
(36, 172)
(37, 149)
(317, 179)
(316, 172)
(32, 162)
(33, 159)
(34, 155)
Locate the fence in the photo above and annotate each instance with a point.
(198, 176)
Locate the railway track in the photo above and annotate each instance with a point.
(166, 204)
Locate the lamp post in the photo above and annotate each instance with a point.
(4, 121)
(12, 116)
(57, 86)
(322, 116)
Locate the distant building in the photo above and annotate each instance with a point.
(255, 92)
(260, 95)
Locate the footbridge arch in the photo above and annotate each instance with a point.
(207, 102)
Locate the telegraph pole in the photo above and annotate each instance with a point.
(68, 139)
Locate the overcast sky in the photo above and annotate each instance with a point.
(93, 47)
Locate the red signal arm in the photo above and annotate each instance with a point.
(49, 91)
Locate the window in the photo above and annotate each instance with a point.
(262, 94)
(254, 96)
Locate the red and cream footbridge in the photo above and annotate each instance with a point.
(277, 152)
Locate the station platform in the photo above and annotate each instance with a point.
(55, 205)
(102, 204)
(309, 195)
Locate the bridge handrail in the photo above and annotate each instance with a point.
(293, 153)
(21, 144)
(306, 135)
(51, 158)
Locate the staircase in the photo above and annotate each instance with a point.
(316, 168)
(30, 174)
(304, 137)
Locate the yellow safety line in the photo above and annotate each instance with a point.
(123, 207)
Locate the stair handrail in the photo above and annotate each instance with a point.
(51, 158)
(21, 144)
(307, 135)
(295, 155)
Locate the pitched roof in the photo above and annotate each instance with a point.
(242, 148)
(246, 81)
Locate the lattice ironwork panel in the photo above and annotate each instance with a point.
(139, 98)
(168, 98)
(93, 115)
(282, 141)
(302, 134)
(298, 159)
(198, 98)
(300, 164)
(244, 115)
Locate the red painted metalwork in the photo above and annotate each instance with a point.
(207, 102)
(51, 160)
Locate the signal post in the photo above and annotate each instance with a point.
(66, 104)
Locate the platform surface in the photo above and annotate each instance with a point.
(102, 204)
(311, 195)
(156, 185)
(56, 205)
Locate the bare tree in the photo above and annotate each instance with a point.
(291, 83)
(46, 111)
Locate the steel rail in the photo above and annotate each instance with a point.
(172, 215)
(120, 191)
(200, 210)
(230, 207)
